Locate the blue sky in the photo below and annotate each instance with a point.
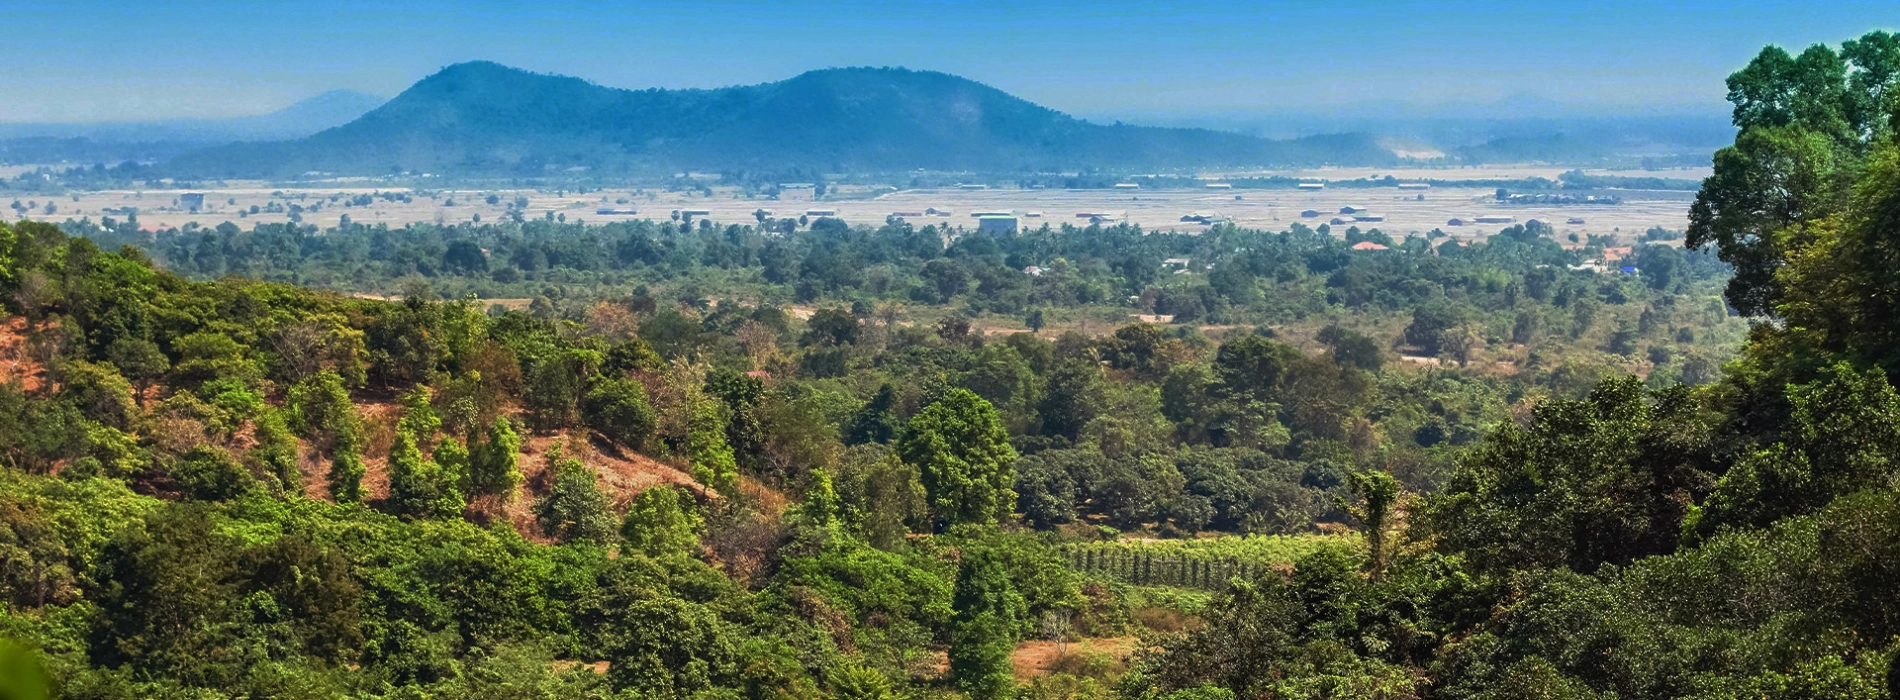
(74, 60)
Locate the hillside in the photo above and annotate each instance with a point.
(487, 118)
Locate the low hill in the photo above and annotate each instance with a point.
(485, 118)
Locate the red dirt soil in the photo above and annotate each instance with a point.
(1035, 658)
(14, 360)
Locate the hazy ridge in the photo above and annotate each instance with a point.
(491, 119)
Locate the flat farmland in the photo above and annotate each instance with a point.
(1404, 211)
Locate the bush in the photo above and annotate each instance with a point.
(211, 474)
(619, 410)
(575, 509)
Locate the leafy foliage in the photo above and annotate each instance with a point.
(962, 452)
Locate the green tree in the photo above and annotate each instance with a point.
(1072, 397)
(574, 508)
(418, 487)
(554, 385)
(210, 473)
(494, 465)
(452, 460)
(1430, 322)
(1351, 347)
(140, 360)
(345, 479)
(1805, 124)
(1376, 492)
(857, 682)
(1607, 479)
(830, 327)
(706, 447)
(983, 632)
(618, 409)
(743, 396)
(418, 416)
(208, 355)
(875, 422)
(320, 409)
(276, 450)
(661, 523)
(962, 453)
(99, 393)
(23, 678)
(1843, 435)
(1251, 368)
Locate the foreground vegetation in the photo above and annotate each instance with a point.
(247, 488)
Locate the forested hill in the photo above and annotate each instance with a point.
(485, 118)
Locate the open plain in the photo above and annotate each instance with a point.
(1403, 211)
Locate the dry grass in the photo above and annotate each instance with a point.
(1162, 619)
(1100, 657)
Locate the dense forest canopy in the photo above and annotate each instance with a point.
(785, 460)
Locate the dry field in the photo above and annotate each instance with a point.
(1475, 172)
(1405, 211)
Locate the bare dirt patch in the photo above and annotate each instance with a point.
(1090, 656)
(15, 362)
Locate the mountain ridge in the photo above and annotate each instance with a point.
(484, 117)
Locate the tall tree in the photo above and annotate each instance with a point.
(988, 610)
(494, 465)
(962, 452)
(661, 523)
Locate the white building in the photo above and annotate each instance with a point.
(996, 224)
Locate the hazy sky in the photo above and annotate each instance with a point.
(76, 60)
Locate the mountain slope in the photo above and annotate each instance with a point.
(486, 118)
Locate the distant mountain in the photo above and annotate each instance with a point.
(485, 118)
(333, 108)
(144, 140)
(330, 109)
